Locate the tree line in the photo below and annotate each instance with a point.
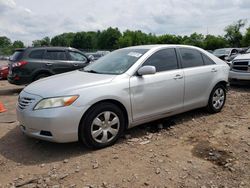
(113, 38)
(7, 47)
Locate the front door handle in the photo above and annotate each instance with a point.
(75, 65)
(48, 64)
(213, 70)
(178, 76)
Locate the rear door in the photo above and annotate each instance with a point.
(77, 60)
(199, 72)
(161, 92)
(57, 61)
(35, 60)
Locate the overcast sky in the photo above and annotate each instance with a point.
(28, 20)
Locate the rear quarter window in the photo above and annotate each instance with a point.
(17, 55)
(207, 60)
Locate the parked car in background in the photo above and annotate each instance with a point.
(240, 69)
(103, 52)
(96, 55)
(227, 54)
(30, 64)
(123, 89)
(4, 70)
(4, 57)
(93, 55)
(210, 51)
(247, 51)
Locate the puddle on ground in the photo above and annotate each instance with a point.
(204, 150)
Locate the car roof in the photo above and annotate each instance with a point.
(47, 48)
(228, 48)
(155, 46)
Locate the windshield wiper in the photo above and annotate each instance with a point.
(91, 71)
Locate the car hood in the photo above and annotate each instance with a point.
(243, 56)
(67, 83)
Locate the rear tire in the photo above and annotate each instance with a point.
(102, 125)
(217, 99)
(40, 76)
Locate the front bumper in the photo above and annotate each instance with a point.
(233, 75)
(55, 125)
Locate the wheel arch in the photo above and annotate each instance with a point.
(112, 101)
(224, 83)
(35, 74)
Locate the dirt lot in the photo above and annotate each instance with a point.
(194, 149)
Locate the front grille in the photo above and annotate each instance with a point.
(243, 66)
(24, 102)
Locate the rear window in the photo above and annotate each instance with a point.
(17, 55)
(36, 54)
(55, 55)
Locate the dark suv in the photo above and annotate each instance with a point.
(30, 64)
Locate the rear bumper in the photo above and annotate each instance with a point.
(19, 80)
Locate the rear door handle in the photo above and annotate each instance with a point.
(178, 76)
(48, 64)
(75, 65)
(213, 70)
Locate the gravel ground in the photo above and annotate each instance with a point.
(194, 149)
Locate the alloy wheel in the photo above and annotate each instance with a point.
(105, 127)
(218, 98)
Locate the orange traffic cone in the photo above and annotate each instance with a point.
(2, 108)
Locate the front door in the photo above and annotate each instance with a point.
(160, 93)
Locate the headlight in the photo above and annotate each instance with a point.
(55, 102)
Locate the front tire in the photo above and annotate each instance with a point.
(102, 125)
(217, 99)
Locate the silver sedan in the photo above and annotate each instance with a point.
(123, 89)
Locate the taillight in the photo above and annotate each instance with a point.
(19, 64)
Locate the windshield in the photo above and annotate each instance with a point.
(221, 52)
(116, 62)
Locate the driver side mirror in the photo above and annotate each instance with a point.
(145, 70)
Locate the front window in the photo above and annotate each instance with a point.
(116, 62)
(163, 60)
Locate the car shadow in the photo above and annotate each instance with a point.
(21, 149)
(240, 87)
(28, 151)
